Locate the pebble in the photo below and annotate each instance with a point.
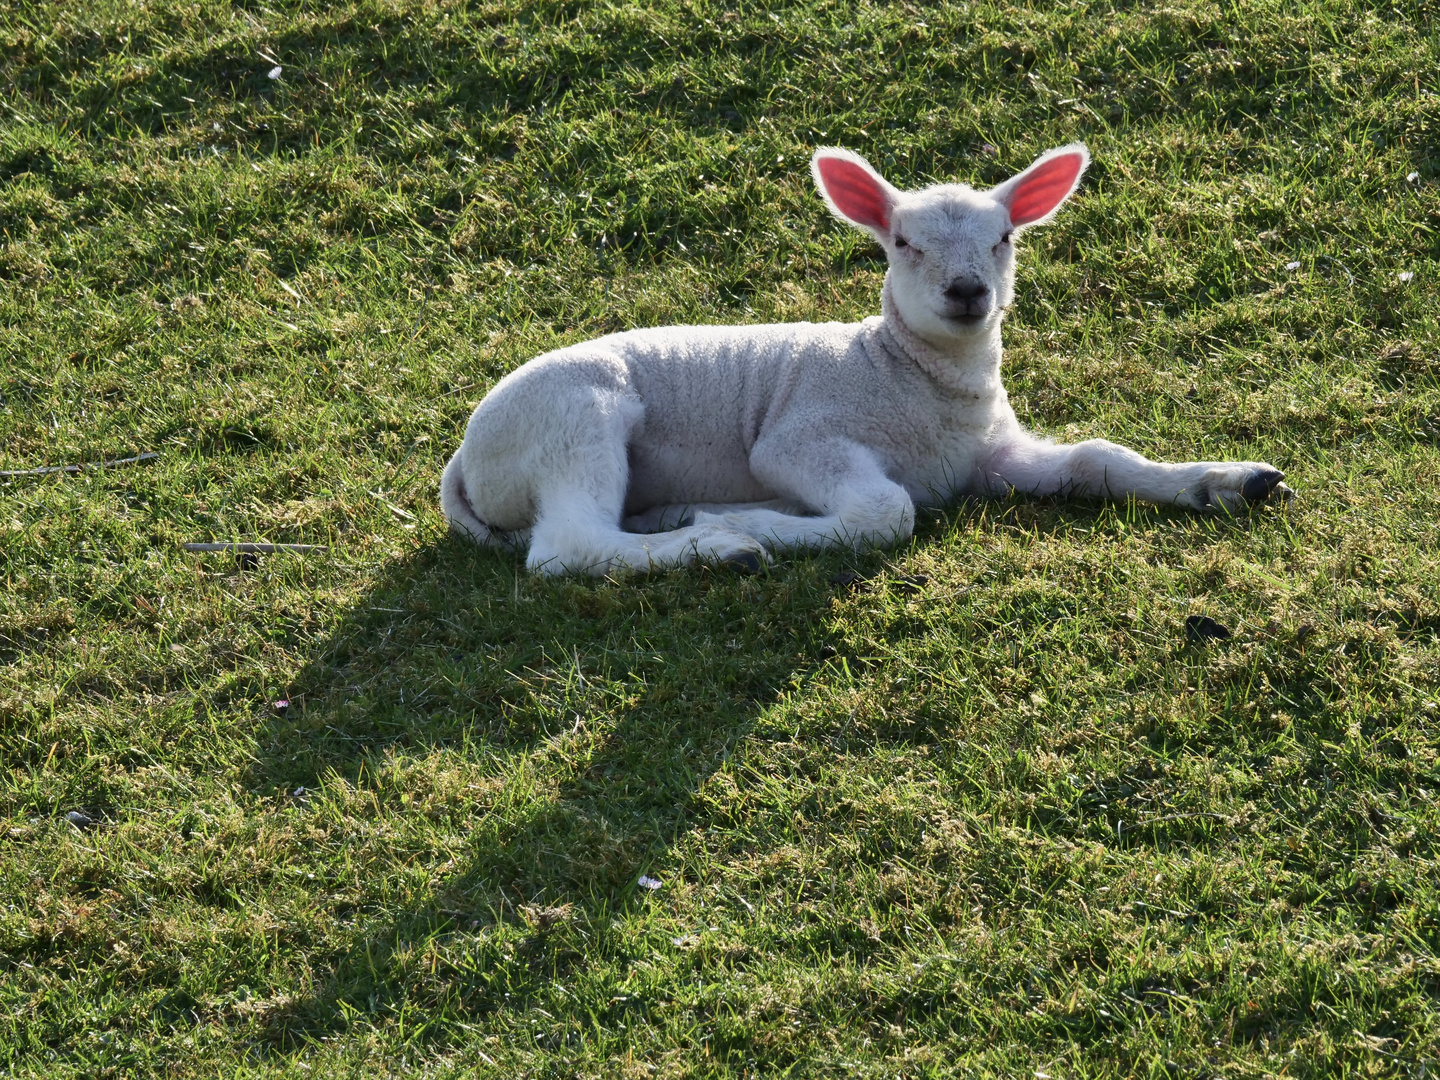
(1201, 628)
(79, 820)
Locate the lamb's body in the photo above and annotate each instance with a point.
(695, 401)
(656, 447)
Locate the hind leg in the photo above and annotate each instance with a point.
(545, 458)
(455, 502)
(677, 515)
(580, 480)
(578, 533)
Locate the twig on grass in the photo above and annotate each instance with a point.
(255, 549)
(147, 456)
(1120, 825)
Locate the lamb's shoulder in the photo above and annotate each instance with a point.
(940, 462)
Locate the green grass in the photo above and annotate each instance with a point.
(1007, 823)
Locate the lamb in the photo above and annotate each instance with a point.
(656, 448)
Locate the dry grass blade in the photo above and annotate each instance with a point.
(254, 549)
(49, 469)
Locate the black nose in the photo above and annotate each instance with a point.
(966, 289)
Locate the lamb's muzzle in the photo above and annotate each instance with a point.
(967, 299)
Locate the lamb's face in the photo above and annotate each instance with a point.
(952, 261)
(951, 248)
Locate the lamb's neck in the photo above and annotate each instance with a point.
(969, 368)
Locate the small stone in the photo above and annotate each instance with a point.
(910, 583)
(1202, 628)
(79, 820)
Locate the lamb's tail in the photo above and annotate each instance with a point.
(456, 503)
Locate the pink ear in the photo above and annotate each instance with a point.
(854, 191)
(1043, 187)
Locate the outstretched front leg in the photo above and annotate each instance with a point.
(1102, 469)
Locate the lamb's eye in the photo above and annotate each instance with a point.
(1008, 234)
(900, 242)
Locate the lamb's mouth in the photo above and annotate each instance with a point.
(968, 321)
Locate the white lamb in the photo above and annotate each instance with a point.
(655, 448)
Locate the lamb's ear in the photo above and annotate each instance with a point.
(855, 192)
(1035, 195)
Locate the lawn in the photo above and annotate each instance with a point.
(974, 806)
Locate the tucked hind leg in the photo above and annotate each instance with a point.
(577, 529)
(664, 518)
(581, 470)
(545, 459)
(577, 533)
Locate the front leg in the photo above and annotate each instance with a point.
(1100, 468)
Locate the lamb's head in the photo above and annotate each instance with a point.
(951, 248)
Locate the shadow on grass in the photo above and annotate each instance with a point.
(590, 711)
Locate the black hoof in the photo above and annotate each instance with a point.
(746, 562)
(1259, 486)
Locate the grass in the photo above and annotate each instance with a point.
(1006, 821)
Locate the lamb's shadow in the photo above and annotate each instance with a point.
(581, 719)
(582, 716)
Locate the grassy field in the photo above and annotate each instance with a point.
(985, 812)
